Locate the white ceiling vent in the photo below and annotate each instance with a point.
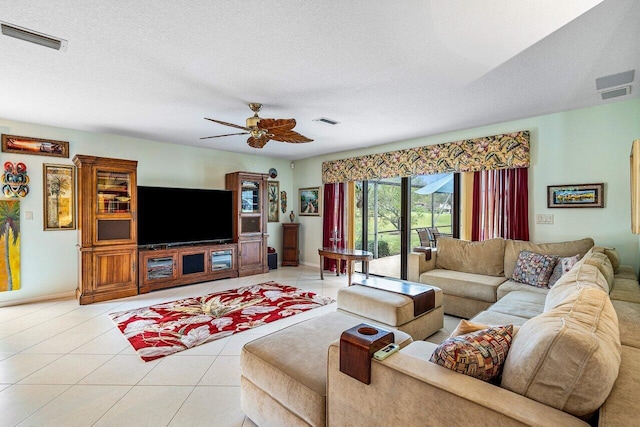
(33, 36)
(325, 120)
(612, 93)
(615, 85)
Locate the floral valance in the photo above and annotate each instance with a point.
(506, 151)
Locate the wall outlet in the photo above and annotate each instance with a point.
(544, 219)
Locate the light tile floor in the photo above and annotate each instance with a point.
(62, 364)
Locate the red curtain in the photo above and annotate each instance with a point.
(333, 222)
(500, 204)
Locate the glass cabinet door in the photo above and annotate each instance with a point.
(114, 192)
(251, 196)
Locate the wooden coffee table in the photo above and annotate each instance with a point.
(348, 255)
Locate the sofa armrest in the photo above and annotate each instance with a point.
(419, 262)
(407, 389)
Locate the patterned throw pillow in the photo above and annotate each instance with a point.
(479, 354)
(562, 266)
(534, 269)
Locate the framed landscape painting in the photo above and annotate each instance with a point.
(38, 146)
(575, 196)
(273, 196)
(310, 202)
(59, 197)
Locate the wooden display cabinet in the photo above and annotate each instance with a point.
(250, 220)
(290, 250)
(182, 265)
(107, 223)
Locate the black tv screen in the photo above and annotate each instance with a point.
(169, 216)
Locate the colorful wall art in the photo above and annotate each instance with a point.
(15, 182)
(9, 245)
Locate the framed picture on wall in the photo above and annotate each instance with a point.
(59, 197)
(273, 188)
(309, 201)
(575, 196)
(37, 146)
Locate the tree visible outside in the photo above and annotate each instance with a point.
(423, 208)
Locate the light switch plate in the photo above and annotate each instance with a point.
(544, 219)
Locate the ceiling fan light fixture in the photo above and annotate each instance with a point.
(257, 133)
(252, 122)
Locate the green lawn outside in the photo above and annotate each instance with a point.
(389, 234)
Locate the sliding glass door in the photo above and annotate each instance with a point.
(390, 212)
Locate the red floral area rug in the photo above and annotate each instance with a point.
(159, 330)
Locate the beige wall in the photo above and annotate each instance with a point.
(580, 146)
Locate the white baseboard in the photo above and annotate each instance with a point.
(63, 295)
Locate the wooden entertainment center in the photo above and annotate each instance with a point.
(113, 266)
(182, 265)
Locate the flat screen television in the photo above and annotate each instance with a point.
(174, 216)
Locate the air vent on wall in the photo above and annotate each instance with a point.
(33, 36)
(615, 85)
(325, 120)
(607, 94)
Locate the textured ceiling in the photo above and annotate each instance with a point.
(387, 71)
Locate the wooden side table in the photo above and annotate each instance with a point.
(348, 255)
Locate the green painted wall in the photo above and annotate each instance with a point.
(581, 146)
(50, 258)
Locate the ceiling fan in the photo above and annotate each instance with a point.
(262, 130)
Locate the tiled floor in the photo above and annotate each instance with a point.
(62, 364)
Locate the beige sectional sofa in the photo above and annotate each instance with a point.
(574, 360)
(578, 347)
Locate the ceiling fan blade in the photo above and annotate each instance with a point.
(258, 142)
(228, 124)
(277, 125)
(289, 136)
(227, 134)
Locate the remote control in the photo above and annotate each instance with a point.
(384, 352)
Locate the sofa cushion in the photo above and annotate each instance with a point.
(467, 285)
(513, 286)
(626, 272)
(581, 276)
(625, 290)
(628, 322)
(479, 354)
(568, 357)
(488, 317)
(465, 326)
(563, 249)
(614, 257)
(391, 308)
(621, 407)
(519, 303)
(486, 257)
(297, 377)
(601, 261)
(534, 269)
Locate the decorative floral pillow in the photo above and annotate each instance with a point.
(534, 269)
(479, 354)
(562, 266)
